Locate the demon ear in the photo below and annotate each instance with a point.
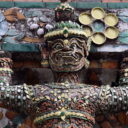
(44, 56)
(89, 41)
(87, 63)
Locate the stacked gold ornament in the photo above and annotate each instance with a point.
(99, 25)
(124, 72)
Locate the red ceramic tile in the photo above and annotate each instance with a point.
(112, 1)
(28, 0)
(6, 0)
(125, 1)
(51, 0)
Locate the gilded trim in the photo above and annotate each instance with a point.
(61, 32)
(63, 114)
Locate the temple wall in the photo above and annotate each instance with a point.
(23, 44)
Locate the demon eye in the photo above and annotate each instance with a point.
(73, 45)
(58, 46)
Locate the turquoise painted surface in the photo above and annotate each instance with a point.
(20, 47)
(123, 37)
(98, 26)
(123, 16)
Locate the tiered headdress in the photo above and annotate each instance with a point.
(65, 27)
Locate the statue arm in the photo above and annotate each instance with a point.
(112, 99)
(18, 97)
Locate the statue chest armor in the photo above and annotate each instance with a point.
(62, 107)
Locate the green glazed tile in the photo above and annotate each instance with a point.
(6, 4)
(51, 4)
(30, 4)
(81, 5)
(73, 4)
(117, 5)
(89, 5)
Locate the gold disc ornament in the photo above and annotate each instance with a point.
(98, 38)
(88, 30)
(98, 13)
(111, 32)
(111, 19)
(85, 18)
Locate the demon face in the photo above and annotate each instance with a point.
(67, 55)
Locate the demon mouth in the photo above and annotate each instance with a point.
(67, 58)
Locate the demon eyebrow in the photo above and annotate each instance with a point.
(50, 43)
(54, 41)
(79, 40)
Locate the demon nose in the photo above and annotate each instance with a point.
(66, 45)
(66, 48)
